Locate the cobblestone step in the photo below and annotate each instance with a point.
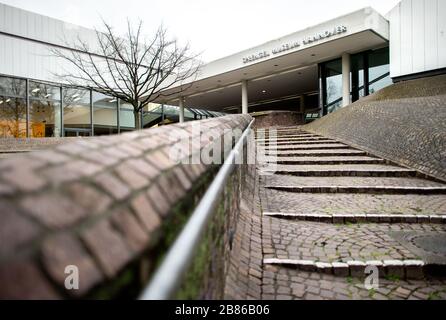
(298, 143)
(289, 139)
(403, 269)
(360, 189)
(289, 283)
(360, 218)
(268, 134)
(326, 160)
(352, 204)
(318, 153)
(358, 170)
(338, 249)
(348, 181)
(323, 146)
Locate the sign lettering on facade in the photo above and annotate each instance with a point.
(295, 44)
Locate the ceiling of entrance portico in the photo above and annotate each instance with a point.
(224, 90)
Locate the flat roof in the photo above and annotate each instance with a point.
(218, 84)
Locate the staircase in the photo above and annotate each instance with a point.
(329, 211)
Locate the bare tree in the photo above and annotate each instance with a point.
(130, 67)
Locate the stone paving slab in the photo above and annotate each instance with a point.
(360, 189)
(404, 269)
(318, 152)
(290, 284)
(269, 134)
(331, 146)
(327, 160)
(329, 204)
(360, 218)
(349, 181)
(328, 243)
(290, 139)
(297, 143)
(367, 170)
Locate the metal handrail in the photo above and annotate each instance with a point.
(170, 274)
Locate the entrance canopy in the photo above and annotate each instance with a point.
(283, 68)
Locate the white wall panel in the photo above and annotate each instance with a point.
(395, 36)
(431, 34)
(418, 29)
(417, 37)
(442, 33)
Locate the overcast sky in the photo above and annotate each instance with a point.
(216, 28)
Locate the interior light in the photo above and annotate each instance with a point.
(76, 99)
(8, 100)
(35, 90)
(48, 95)
(1, 101)
(113, 100)
(263, 91)
(75, 96)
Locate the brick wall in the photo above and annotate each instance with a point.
(404, 123)
(110, 206)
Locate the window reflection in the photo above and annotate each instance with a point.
(333, 72)
(12, 108)
(105, 114)
(379, 70)
(12, 117)
(44, 110)
(76, 112)
(126, 117)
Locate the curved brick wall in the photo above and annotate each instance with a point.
(404, 123)
(102, 204)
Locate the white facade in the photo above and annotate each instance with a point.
(278, 69)
(26, 40)
(417, 37)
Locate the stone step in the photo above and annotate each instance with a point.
(400, 269)
(358, 170)
(344, 248)
(360, 189)
(281, 139)
(360, 218)
(317, 153)
(281, 180)
(298, 143)
(283, 283)
(330, 204)
(324, 160)
(322, 146)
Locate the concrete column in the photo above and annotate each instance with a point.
(244, 97)
(302, 104)
(346, 79)
(181, 111)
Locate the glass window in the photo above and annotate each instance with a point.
(357, 76)
(44, 110)
(43, 91)
(379, 70)
(126, 116)
(12, 108)
(333, 73)
(76, 111)
(105, 114)
(12, 117)
(12, 87)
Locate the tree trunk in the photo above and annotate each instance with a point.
(137, 120)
